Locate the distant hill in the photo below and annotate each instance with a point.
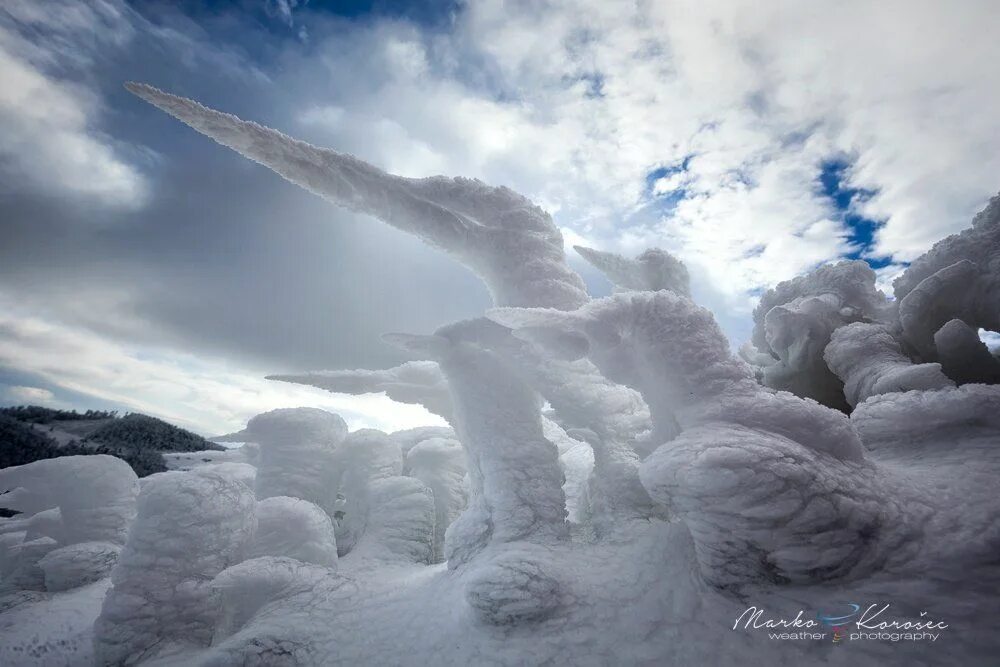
(20, 443)
(151, 432)
(36, 414)
(29, 433)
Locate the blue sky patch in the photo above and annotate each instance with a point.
(832, 179)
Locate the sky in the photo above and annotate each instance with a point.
(143, 267)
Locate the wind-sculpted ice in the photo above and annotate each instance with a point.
(942, 419)
(734, 436)
(294, 528)
(964, 356)
(576, 458)
(416, 382)
(409, 438)
(938, 440)
(440, 464)
(709, 492)
(870, 361)
(509, 242)
(941, 297)
(247, 590)
(794, 321)
(22, 570)
(516, 482)
(298, 448)
(247, 454)
(76, 512)
(516, 501)
(78, 564)
(423, 383)
(651, 271)
(190, 526)
(367, 456)
(957, 279)
(399, 523)
(234, 463)
(23, 543)
(979, 246)
(609, 417)
(95, 495)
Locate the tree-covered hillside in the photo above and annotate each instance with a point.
(29, 433)
(150, 433)
(20, 443)
(36, 414)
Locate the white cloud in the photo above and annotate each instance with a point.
(29, 395)
(49, 140)
(283, 9)
(575, 105)
(208, 395)
(55, 136)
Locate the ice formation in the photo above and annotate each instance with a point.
(294, 528)
(973, 254)
(964, 356)
(616, 487)
(297, 453)
(794, 321)
(190, 526)
(75, 512)
(481, 226)
(368, 456)
(440, 464)
(95, 495)
(870, 361)
(653, 270)
(416, 382)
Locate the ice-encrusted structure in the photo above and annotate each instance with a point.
(653, 270)
(416, 382)
(958, 278)
(616, 486)
(479, 225)
(75, 512)
(870, 361)
(794, 321)
(238, 462)
(294, 528)
(440, 464)
(298, 449)
(190, 526)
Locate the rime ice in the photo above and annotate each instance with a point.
(614, 487)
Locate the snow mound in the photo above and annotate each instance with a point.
(190, 526)
(293, 528)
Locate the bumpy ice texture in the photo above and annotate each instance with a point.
(75, 512)
(651, 271)
(709, 492)
(190, 526)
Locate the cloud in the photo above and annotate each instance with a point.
(29, 395)
(701, 129)
(199, 392)
(577, 106)
(283, 9)
(50, 139)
